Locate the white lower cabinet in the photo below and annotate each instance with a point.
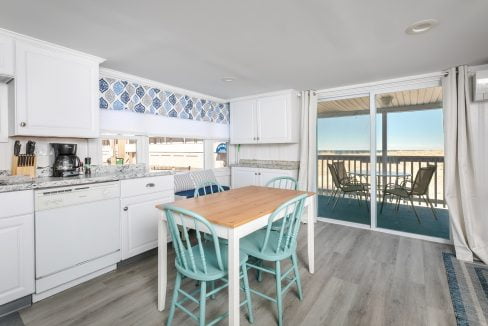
(139, 229)
(244, 176)
(267, 174)
(16, 245)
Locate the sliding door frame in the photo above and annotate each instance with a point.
(371, 90)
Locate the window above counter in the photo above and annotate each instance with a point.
(181, 154)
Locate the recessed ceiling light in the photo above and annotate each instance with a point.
(421, 26)
(228, 79)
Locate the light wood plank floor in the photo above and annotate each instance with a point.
(362, 278)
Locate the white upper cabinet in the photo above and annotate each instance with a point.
(55, 92)
(3, 114)
(243, 127)
(274, 119)
(269, 119)
(6, 55)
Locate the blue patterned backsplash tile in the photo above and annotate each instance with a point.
(121, 95)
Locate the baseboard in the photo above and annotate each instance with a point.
(138, 258)
(16, 305)
(39, 296)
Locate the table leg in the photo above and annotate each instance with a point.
(311, 233)
(234, 269)
(162, 261)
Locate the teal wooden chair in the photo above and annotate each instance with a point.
(283, 183)
(205, 262)
(207, 188)
(269, 245)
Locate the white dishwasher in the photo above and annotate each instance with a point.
(77, 235)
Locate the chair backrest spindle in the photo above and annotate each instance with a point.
(207, 187)
(288, 231)
(189, 260)
(283, 182)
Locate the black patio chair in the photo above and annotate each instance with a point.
(419, 187)
(347, 186)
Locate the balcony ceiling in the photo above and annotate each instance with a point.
(265, 45)
(411, 100)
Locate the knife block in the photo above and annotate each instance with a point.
(24, 164)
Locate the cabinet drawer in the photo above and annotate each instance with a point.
(16, 203)
(149, 185)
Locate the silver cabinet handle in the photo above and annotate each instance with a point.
(150, 185)
(23, 124)
(126, 209)
(257, 138)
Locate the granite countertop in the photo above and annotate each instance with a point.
(268, 164)
(18, 183)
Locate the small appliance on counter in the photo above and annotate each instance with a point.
(87, 165)
(24, 164)
(66, 163)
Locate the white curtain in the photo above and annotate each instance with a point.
(307, 174)
(466, 158)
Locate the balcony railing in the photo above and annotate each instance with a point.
(393, 165)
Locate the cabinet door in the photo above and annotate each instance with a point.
(267, 174)
(6, 55)
(3, 114)
(243, 122)
(56, 93)
(273, 116)
(16, 257)
(242, 177)
(140, 222)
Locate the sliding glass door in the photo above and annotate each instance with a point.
(343, 141)
(410, 156)
(380, 160)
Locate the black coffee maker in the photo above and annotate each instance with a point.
(66, 163)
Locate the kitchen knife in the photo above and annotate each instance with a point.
(17, 148)
(30, 147)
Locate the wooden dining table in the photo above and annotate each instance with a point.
(235, 214)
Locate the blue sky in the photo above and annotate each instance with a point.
(416, 130)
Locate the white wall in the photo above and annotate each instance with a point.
(44, 151)
(277, 152)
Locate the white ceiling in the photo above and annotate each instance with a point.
(265, 45)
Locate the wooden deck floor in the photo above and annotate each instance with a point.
(362, 278)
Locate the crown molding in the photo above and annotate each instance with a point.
(250, 97)
(21, 37)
